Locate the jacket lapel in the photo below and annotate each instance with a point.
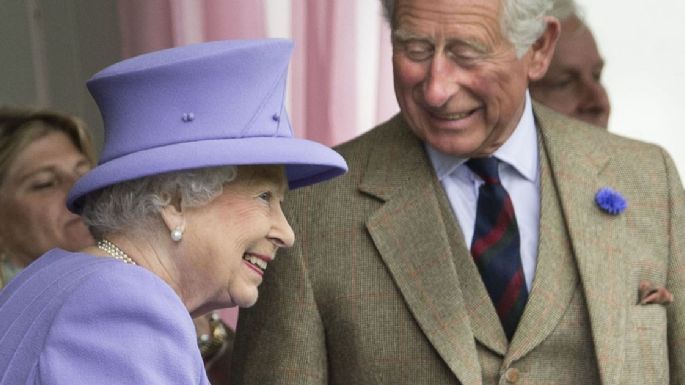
(576, 166)
(485, 323)
(556, 277)
(409, 233)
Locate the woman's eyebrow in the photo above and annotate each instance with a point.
(22, 177)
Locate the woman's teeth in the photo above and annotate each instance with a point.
(260, 263)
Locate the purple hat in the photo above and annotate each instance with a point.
(202, 105)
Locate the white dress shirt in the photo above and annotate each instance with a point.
(520, 176)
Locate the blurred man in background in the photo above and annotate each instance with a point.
(572, 85)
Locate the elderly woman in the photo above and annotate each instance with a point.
(186, 206)
(42, 153)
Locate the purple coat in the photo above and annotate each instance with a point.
(73, 318)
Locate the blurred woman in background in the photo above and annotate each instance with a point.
(42, 153)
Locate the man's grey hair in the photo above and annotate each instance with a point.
(135, 205)
(562, 9)
(566, 9)
(522, 20)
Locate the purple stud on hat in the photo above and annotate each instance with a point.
(202, 105)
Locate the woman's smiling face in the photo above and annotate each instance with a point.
(237, 234)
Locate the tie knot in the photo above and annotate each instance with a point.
(485, 168)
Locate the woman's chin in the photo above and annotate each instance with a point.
(245, 300)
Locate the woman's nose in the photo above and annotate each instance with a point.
(282, 234)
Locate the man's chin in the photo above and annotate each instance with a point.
(461, 146)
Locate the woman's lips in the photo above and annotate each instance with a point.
(257, 262)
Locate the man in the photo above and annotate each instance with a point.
(382, 286)
(572, 84)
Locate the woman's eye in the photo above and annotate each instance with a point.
(81, 170)
(266, 196)
(42, 185)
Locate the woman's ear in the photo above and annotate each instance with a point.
(173, 216)
(543, 49)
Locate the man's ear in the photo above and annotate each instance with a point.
(172, 214)
(543, 49)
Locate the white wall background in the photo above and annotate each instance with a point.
(642, 44)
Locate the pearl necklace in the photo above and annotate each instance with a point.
(112, 249)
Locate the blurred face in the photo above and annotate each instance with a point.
(572, 85)
(236, 235)
(33, 213)
(457, 78)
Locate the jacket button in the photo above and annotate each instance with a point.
(512, 375)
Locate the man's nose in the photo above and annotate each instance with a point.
(595, 97)
(593, 103)
(441, 81)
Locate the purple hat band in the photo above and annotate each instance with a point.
(202, 105)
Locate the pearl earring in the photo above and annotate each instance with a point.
(176, 234)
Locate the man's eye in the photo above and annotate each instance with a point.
(562, 82)
(418, 50)
(462, 55)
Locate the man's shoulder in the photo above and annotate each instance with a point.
(385, 144)
(577, 144)
(578, 134)
(381, 143)
(390, 132)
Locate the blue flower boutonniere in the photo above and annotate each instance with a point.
(610, 201)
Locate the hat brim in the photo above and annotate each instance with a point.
(306, 162)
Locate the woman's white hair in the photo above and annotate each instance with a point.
(135, 205)
(522, 20)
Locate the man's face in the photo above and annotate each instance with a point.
(572, 84)
(457, 78)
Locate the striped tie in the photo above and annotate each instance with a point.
(496, 246)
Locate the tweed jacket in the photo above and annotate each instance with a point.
(380, 287)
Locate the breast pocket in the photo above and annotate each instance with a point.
(646, 345)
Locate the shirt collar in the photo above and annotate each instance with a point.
(519, 151)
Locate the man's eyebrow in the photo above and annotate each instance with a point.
(404, 35)
(468, 43)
